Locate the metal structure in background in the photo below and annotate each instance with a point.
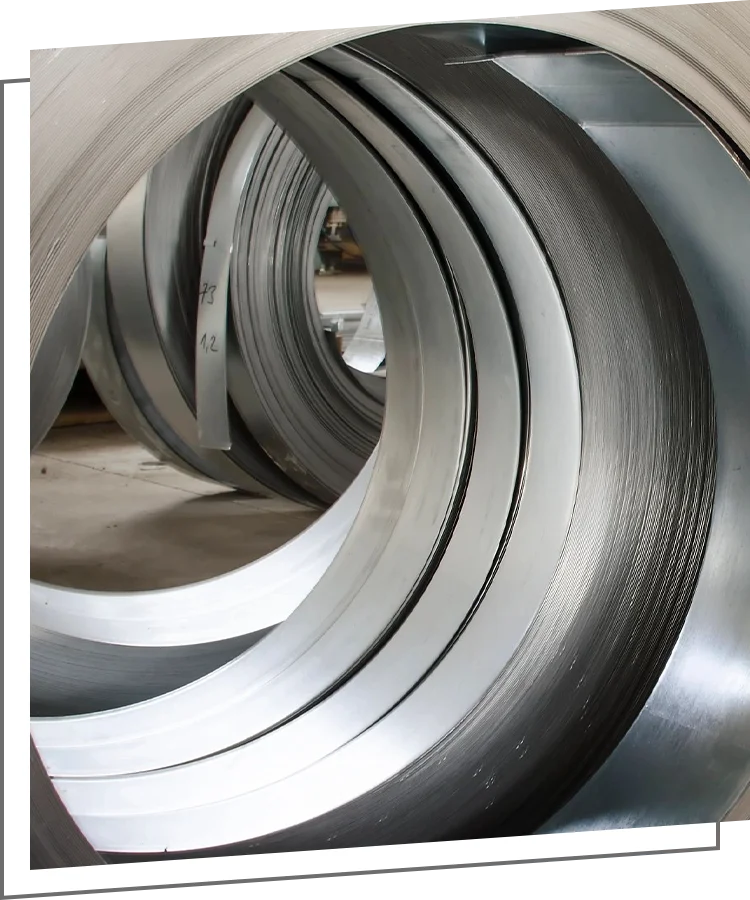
(530, 609)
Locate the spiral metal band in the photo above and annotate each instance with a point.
(548, 543)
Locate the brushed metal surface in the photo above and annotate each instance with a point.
(211, 398)
(686, 758)
(669, 42)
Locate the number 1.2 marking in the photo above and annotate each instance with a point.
(208, 342)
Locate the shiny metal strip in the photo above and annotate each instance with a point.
(568, 187)
(92, 651)
(71, 676)
(212, 411)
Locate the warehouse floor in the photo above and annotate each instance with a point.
(106, 515)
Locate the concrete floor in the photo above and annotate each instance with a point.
(106, 515)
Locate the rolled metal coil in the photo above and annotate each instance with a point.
(233, 395)
(574, 648)
(312, 414)
(459, 684)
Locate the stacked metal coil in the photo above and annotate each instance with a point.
(537, 583)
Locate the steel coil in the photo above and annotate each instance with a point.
(503, 623)
(203, 366)
(311, 414)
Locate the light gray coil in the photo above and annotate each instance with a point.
(551, 539)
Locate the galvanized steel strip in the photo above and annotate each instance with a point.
(721, 97)
(211, 401)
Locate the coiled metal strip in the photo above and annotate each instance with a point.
(480, 499)
(348, 577)
(640, 46)
(502, 783)
(648, 442)
(311, 414)
(702, 702)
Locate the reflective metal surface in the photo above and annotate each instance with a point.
(131, 318)
(539, 563)
(93, 651)
(213, 304)
(697, 721)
